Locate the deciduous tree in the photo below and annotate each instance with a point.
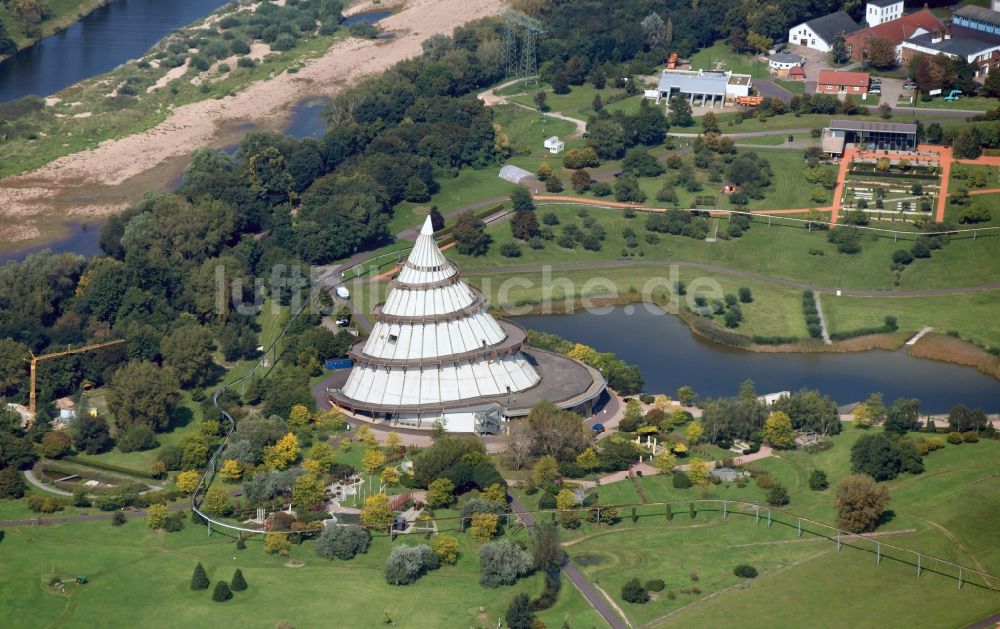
(778, 430)
(376, 513)
(860, 503)
(282, 453)
(698, 471)
(142, 393)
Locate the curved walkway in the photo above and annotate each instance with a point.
(31, 478)
(716, 268)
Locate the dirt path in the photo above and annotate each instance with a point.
(959, 545)
(102, 181)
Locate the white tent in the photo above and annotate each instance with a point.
(434, 343)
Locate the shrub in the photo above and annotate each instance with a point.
(222, 592)
(970, 437)
(954, 438)
(634, 592)
(136, 438)
(446, 548)
(777, 496)
(681, 481)
(745, 571)
(902, 256)
(546, 501)
(818, 480)
(342, 542)
(510, 250)
(655, 585)
(118, 519)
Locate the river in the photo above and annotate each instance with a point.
(101, 41)
(670, 356)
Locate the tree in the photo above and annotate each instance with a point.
(664, 461)
(871, 411)
(540, 98)
(222, 593)
(710, 123)
(967, 144)
(860, 503)
(217, 501)
(199, 578)
(575, 159)
(694, 433)
(12, 483)
(588, 459)
(698, 471)
(560, 83)
(324, 456)
(546, 470)
(680, 111)
(470, 235)
(440, 493)
(634, 592)
(437, 219)
(282, 453)
(484, 526)
(686, 395)
(520, 196)
(55, 444)
(188, 349)
(777, 495)
(373, 460)
(142, 393)
(778, 430)
(901, 416)
(389, 476)
(342, 542)
(156, 516)
(546, 549)
(307, 492)
(300, 417)
(187, 481)
(238, 584)
(746, 296)
(376, 513)
(818, 481)
(881, 52)
(838, 51)
(276, 544)
(406, 564)
(606, 138)
(519, 613)
(524, 224)
(446, 548)
(12, 365)
(502, 563)
(991, 86)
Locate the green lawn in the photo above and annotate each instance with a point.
(795, 87)
(140, 578)
(765, 140)
(965, 313)
(719, 56)
(577, 103)
(976, 103)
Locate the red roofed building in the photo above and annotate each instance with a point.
(896, 31)
(833, 82)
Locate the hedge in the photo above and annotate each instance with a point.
(774, 340)
(107, 467)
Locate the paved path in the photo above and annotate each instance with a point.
(772, 90)
(919, 335)
(572, 572)
(822, 320)
(31, 478)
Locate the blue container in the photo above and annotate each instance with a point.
(338, 363)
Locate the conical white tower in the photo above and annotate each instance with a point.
(434, 346)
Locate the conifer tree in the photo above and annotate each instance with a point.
(239, 583)
(199, 580)
(222, 592)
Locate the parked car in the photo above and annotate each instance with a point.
(875, 90)
(909, 86)
(597, 428)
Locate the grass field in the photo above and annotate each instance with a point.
(779, 251)
(720, 56)
(140, 577)
(61, 13)
(955, 493)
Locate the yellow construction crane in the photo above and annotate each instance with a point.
(34, 360)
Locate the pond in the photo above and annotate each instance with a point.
(82, 240)
(670, 355)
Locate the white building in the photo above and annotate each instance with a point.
(555, 145)
(435, 355)
(879, 11)
(819, 33)
(707, 87)
(781, 63)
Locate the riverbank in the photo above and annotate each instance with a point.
(64, 13)
(104, 179)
